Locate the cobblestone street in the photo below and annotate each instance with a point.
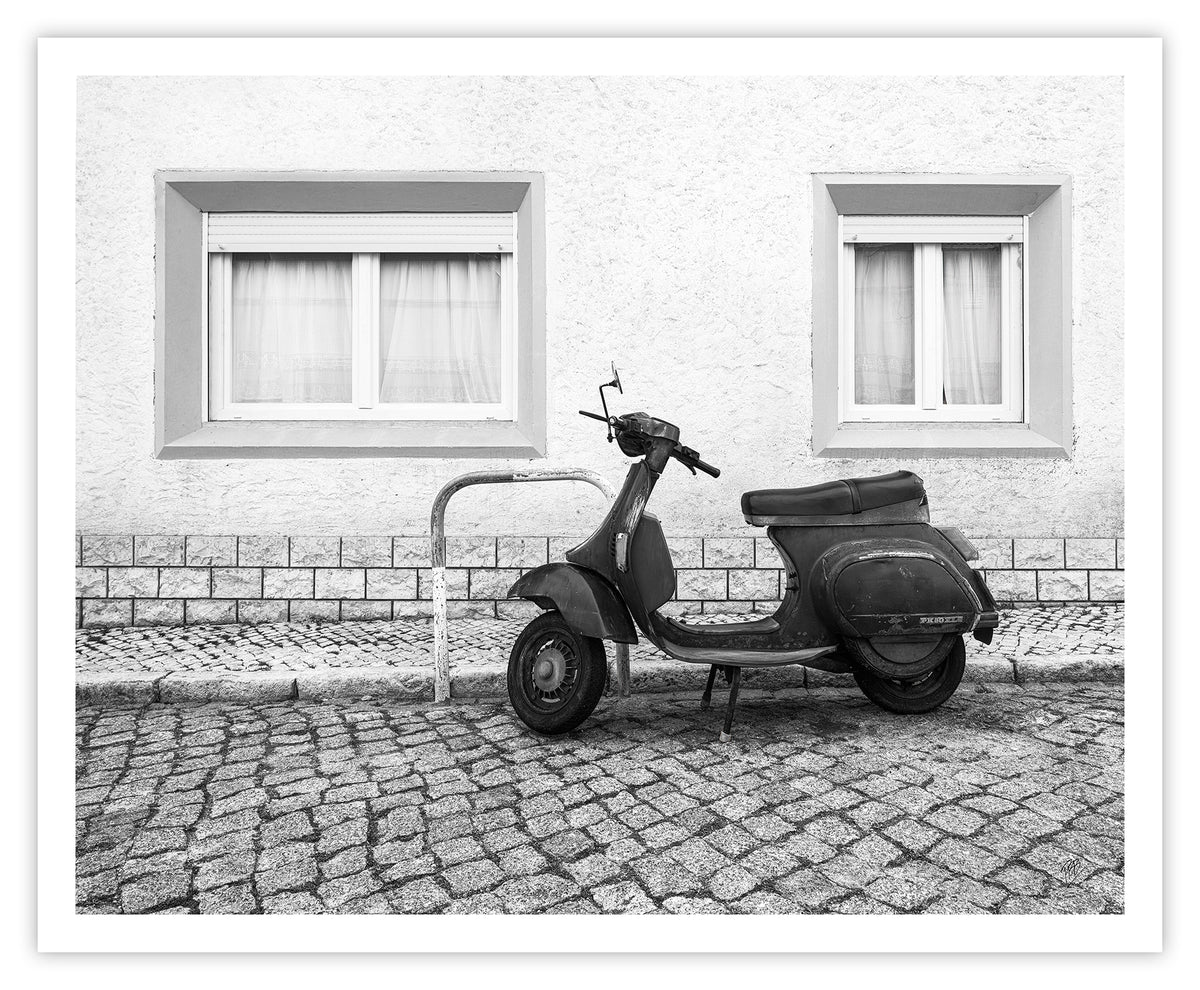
(1008, 799)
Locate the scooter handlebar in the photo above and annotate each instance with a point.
(591, 415)
(690, 458)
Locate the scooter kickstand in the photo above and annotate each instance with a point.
(706, 698)
(733, 693)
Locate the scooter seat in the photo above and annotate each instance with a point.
(835, 498)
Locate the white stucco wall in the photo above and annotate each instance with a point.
(679, 244)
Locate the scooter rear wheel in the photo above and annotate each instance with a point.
(924, 694)
(555, 675)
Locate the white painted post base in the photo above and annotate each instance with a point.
(441, 645)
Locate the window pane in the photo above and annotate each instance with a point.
(884, 371)
(971, 292)
(291, 328)
(439, 337)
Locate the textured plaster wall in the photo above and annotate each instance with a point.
(679, 243)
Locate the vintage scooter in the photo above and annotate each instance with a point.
(872, 589)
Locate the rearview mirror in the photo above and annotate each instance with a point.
(617, 379)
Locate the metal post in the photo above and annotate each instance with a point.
(621, 662)
(437, 538)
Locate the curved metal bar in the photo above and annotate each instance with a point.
(437, 540)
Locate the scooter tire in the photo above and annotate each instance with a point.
(569, 704)
(916, 697)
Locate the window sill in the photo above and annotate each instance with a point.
(356, 438)
(861, 440)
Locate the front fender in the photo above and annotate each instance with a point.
(588, 602)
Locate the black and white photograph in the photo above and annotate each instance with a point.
(600, 492)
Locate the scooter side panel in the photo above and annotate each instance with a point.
(888, 588)
(805, 621)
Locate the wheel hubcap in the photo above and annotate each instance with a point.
(549, 669)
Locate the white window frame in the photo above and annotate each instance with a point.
(364, 238)
(926, 234)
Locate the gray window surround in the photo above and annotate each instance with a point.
(1046, 200)
(181, 197)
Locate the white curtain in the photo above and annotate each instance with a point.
(292, 328)
(439, 328)
(883, 325)
(971, 289)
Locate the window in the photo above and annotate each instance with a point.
(941, 315)
(350, 314)
(932, 319)
(386, 316)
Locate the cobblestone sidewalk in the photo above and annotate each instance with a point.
(1008, 799)
(1038, 643)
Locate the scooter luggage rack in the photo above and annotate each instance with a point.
(437, 536)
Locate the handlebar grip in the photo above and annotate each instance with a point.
(706, 468)
(590, 415)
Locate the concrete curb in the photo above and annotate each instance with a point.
(412, 684)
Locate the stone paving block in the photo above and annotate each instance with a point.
(155, 550)
(409, 610)
(411, 551)
(686, 551)
(258, 612)
(1062, 586)
(385, 682)
(366, 551)
(91, 582)
(315, 551)
(292, 903)
(206, 610)
(107, 614)
(722, 608)
(155, 892)
(703, 585)
(1106, 586)
(184, 582)
(491, 582)
(521, 551)
(371, 611)
(237, 582)
(1086, 554)
(994, 554)
(470, 551)
(765, 554)
(1012, 586)
(133, 582)
(158, 612)
(749, 585)
(732, 552)
(314, 611)
(126, 687)
(205, 551)
(1038, 553)
(1121, 554)
(989, 670)
(115, 551)
(262, 551)
(391, 583)
(1051, 670)
(236, 898)
(288, 582)
(340, 582)
(245, 687)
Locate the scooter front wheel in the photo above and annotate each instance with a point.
(924, 694)
(555, 675)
